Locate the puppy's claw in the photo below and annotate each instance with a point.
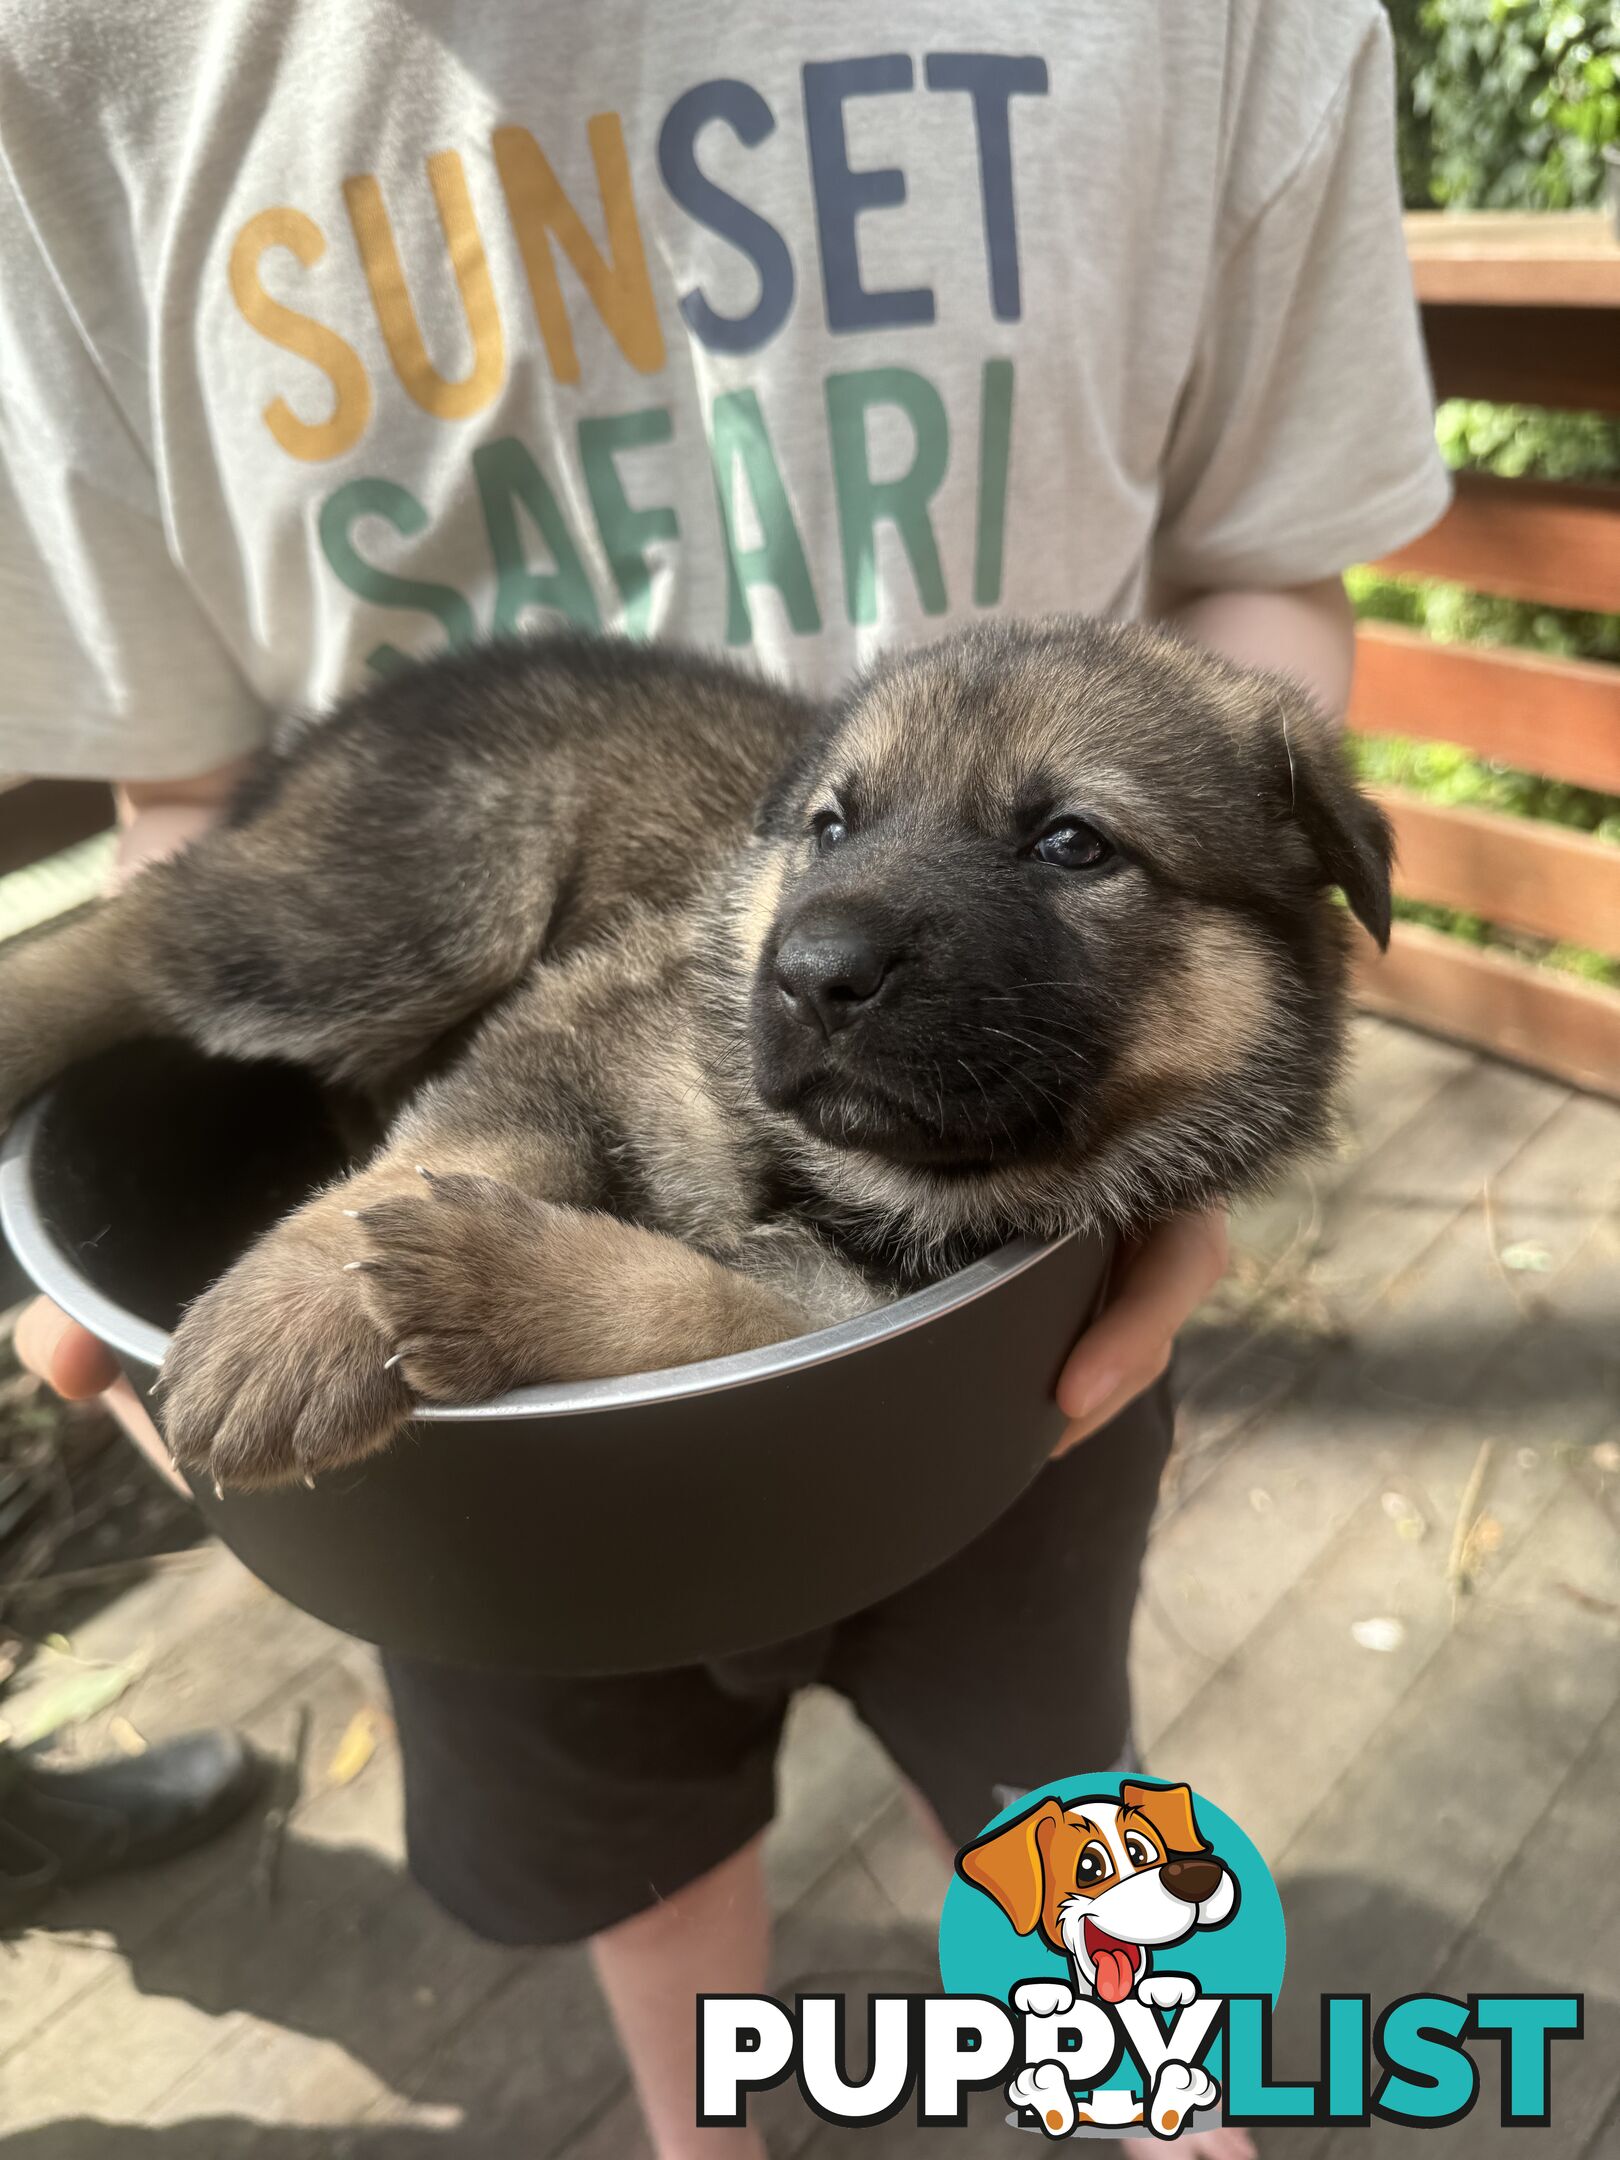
(359, 1267)
(390, 1362)
(423, 1171)
(309, 1480)
(219, 1490)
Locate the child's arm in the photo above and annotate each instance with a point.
(1306, 631)
(155, 817)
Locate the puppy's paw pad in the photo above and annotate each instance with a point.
(1043, 1998)
(1166, 1991)
(1179, 2091)
(1044, 2090)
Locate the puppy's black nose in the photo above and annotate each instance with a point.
(827, 971)
(1191, 1880)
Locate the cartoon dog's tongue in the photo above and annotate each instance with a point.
(1115, 1962)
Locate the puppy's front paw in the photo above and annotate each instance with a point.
(1166, 1991)
(1043, 1998)
(454, 1276)
(277, 1373)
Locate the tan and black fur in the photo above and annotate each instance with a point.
(758, 1009)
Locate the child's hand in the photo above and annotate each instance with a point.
(1160, 1284)
(64, 1355)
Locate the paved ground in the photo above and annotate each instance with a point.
(1402, 1412)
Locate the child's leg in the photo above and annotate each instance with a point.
(713, 1937)
(626, 1812)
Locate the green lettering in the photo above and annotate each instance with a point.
(995, 444)
(397, 506)
(625, 531)
(508, 476)
(741, 439)
(864, 502)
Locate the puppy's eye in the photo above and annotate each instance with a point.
(1093, 1865)
(1139, 1852)
(1069, 844)
(829, 829)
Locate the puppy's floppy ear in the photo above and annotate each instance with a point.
(1350, 835)
(1010, 1865)
(1169, 1809)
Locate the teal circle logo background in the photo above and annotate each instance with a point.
(981, 1953)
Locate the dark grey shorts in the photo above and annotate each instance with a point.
(541, 1810)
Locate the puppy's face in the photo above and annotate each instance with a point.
(1108, 1881)
(1039, 929)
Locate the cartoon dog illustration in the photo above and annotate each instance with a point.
(1107, 1881)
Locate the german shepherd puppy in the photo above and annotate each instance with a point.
(760, 1010)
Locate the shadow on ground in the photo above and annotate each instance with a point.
(499, 2098)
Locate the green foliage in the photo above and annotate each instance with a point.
(1506, 104)
(1458, 617)
(1474, 930)
(1444, 773)
(1525, 442)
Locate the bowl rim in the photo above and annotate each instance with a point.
(142, 1342)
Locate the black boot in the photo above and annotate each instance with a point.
(64, 1826)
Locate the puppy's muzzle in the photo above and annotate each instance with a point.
(828, 969)
(1191, 1880)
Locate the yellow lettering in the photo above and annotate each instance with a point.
(301, 335)
(390, 295)
(617, 282)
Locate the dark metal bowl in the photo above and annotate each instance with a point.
(599, 1526)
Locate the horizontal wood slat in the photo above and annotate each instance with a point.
(1497, 1003)
(1568, 358)
(1527, 539)
(1513, 258)
(1560, 718)
(41, 817)
(1520, 873)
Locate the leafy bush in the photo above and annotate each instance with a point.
(1458, 617)
(1524, 442)
(1506, 104)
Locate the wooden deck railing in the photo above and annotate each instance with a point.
(1518, 309)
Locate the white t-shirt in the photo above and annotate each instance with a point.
(334, 333)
